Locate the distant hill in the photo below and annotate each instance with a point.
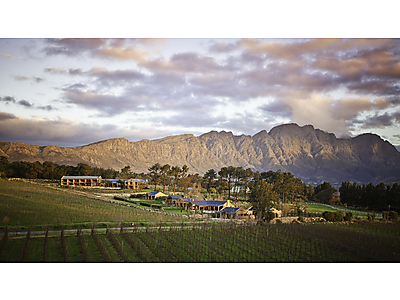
(308, 153)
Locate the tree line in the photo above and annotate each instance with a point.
(229, 182)
(50, 170)
(377, 197)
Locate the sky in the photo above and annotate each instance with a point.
(75, 91)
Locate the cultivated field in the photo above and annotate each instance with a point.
(369, 242)
(49, 224)
(25, 204)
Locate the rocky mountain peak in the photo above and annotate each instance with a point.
(308, 153)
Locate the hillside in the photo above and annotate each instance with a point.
(308, 153)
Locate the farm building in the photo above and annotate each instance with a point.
(154, 195)
(178, 200)
(278, 213)
(211, 205)
(236, 213)
(81, 180)
(133, 183)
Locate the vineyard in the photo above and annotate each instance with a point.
(25, 204)
(367, 242)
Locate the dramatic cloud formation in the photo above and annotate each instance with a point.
(43, 131)
(344, 86)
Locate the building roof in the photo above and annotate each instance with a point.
(139, 180)
(230, 210)
(115, 180)
(207, 203)
(81, 177)
(175, 196)
(155, 193)
(134, 179)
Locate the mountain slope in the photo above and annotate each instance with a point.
(308, 153)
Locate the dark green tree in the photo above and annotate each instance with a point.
(155, 173)
(165, 175)
(323, 192)
(262, 197)
(209, 179)
(84, 169)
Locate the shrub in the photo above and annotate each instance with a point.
(270, 216)
(338, 216)
(137, 196)
(329, 216)
(348, 216)
(393, 215)
(385, 215)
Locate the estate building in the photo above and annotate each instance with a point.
(81, 180)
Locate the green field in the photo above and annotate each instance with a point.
(368, 242)
(319, 208)
(48, 224)
(27, 204)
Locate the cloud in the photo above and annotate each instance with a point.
(348, 108)
(299, 79)
(10, 56)
(222, 47)
(120, 49)
(6, 116)
(46, 107)
(381, 120)
(25, 103)
(107, 103)
(122, 53)
(8, 99)
(61, 132)
(72, 47)
(27, 77)
(315, 110)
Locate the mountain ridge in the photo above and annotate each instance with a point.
(311, 154)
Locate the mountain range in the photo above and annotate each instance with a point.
(308, 153)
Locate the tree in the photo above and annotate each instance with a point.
(164, 174)
(246, 176)
(155, 171)
(48, 171)
(323, 192)
(227, 172)
(4, 167)
(261, 197)
(126, 172)
(209, 178)
(237, 176)
(221, 185)
(35, 170)
(84, 169)
(175, 172)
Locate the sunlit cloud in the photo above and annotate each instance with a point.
(242, 85)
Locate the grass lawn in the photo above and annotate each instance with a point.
(27, 204)
(319, 208)
(356, 212)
